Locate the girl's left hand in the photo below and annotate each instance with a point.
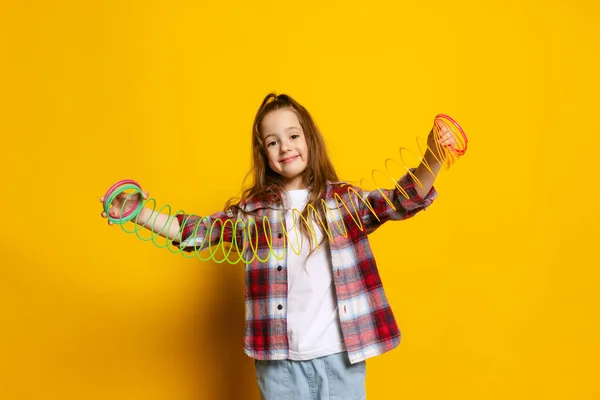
(445, 142)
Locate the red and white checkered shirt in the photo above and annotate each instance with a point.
(368, 324)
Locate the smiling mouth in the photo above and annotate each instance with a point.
(287, 160)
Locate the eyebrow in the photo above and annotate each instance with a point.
(286, 129)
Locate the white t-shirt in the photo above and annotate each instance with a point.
(312, 312)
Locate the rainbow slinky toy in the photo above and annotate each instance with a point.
(131, 188)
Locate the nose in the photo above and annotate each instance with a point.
(285, 146)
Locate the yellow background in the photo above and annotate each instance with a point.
(495, 287)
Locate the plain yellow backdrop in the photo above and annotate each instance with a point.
(495, 287)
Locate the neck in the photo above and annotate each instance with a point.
(295, 184)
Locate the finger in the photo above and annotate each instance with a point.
(442, 142)
(446, 137)
(110, 223)
(102, 199)
(103, 214)
(145, 195)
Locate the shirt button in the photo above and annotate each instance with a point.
(279, 268)
(279, 307)
(280, 235)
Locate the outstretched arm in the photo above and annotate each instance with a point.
(434, 159)
(147, 218)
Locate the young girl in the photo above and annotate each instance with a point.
(314, 314)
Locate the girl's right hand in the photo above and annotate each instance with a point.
(120, 207)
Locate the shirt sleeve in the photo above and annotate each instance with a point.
(407, 203)
(201, 233)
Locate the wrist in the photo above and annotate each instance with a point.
(434, 161)
(143, 216)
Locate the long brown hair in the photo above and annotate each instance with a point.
(267, 185)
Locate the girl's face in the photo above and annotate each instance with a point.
(285, 142)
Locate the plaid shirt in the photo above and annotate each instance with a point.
(368, 324)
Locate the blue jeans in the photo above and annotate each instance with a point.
(325, 378)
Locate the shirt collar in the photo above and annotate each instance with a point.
(255, 204)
